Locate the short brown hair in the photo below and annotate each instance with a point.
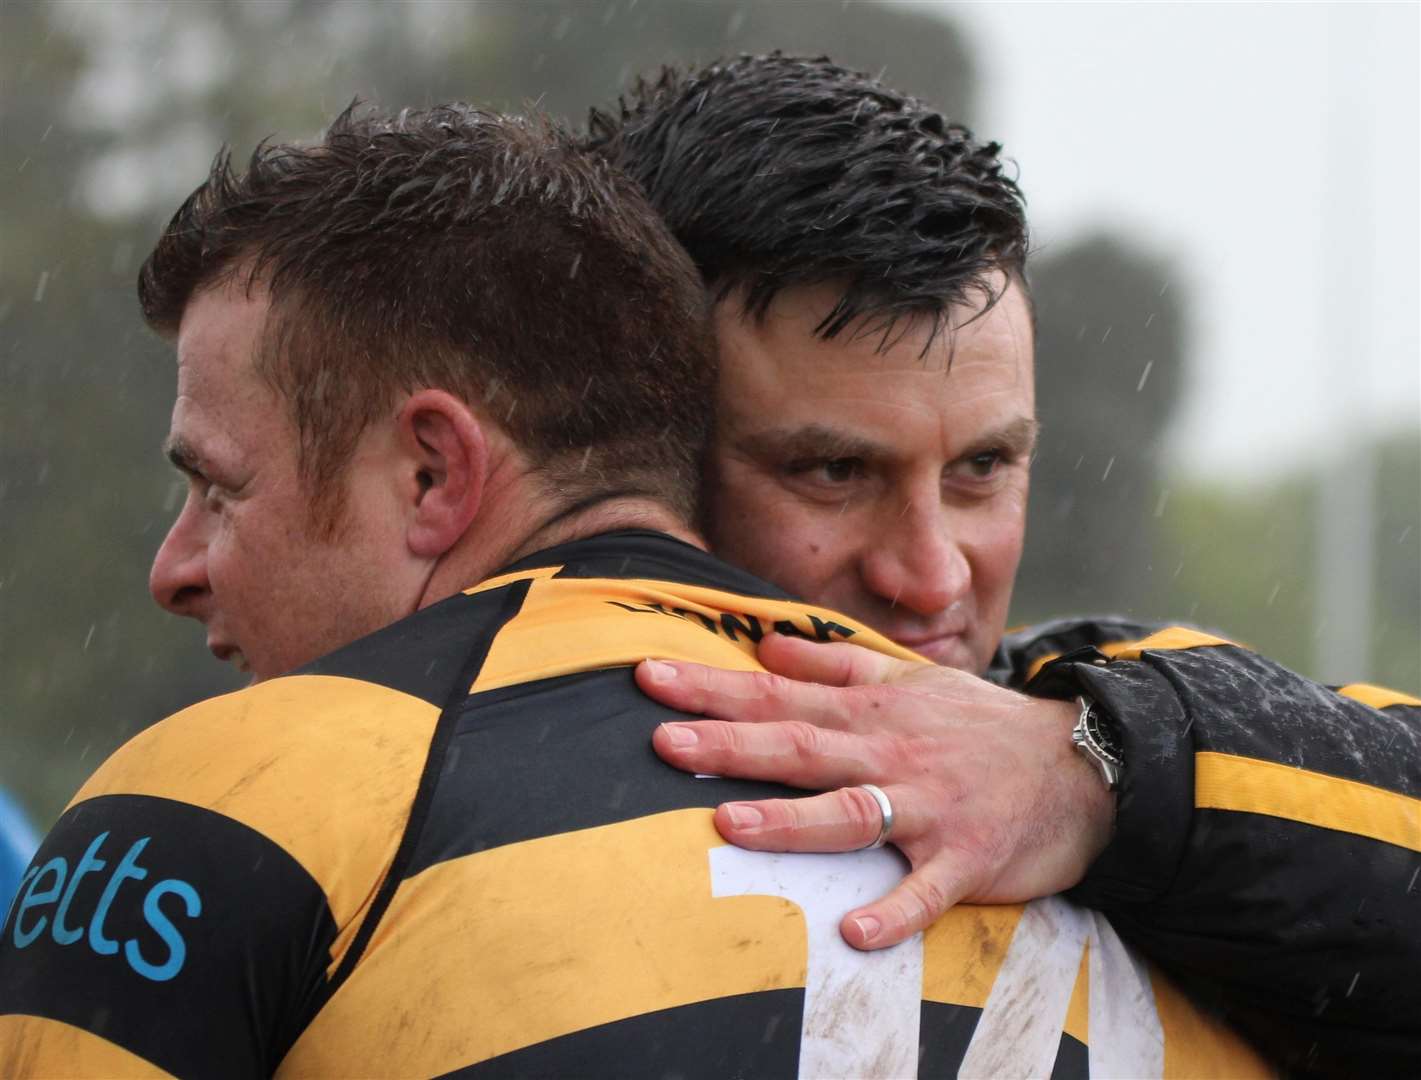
(474, 252)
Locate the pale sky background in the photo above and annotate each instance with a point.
(1270, 150)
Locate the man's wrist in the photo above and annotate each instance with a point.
(1086, 804)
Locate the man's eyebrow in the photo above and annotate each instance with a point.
(813, 441)
(183, 457)
(1018, 437)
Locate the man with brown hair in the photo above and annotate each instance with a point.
(875, 425)
(440, 390)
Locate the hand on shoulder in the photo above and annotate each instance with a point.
(991, 801)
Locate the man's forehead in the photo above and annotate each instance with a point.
(218, 338)
(788, 393)
(996, 330)
(231, 306)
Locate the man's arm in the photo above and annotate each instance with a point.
(1264, 902)
(1268, 843)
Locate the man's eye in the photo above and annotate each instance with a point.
(982, 466)
(986, 463)
(829, 470)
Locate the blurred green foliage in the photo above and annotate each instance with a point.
(1243, 562)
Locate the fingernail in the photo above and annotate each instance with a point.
(680, 734)
(868, 927)
(743, 815)
(660, 672)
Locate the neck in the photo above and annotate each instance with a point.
(606, 513)
(520, 519)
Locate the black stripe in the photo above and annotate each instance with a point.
(747, 1035)
(251, 962)
(1252, 872)
(509, 601)
(557, 755)
(422, 655)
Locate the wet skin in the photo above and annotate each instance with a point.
(889, 483)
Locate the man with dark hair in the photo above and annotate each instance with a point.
(440, 401)
(873, 438)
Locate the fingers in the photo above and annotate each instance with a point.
(738, 695)
(836, 663)
(848, 820)
(843, 820)
(914, 904)
(787, 752)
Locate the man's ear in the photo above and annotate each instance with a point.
(447, 450)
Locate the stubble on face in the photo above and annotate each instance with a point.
(249, 556)
(887, 482)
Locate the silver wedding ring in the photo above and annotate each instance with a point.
(886, 807)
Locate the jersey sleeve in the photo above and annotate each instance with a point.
(189, 911)
(1267, 843)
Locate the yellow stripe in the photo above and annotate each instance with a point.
(963, 952)
(1229, 782)
(592, 926)
(1175, 637)
(595, 926)
(1378, 697)
(297, 759)
(1077, 1023)
(1195, 1044)
(570, 625)
(540, 574)
(567, 932)
(33, 1046)
(1039, 663)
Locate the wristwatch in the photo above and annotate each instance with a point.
(1096, 737)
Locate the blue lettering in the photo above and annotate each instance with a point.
(89, 863)
(60, 868)
(177, 948)
(128, 868)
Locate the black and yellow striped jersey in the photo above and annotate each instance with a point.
(449, 848)
(1267, 848)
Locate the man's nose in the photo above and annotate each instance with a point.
(917, 562)
(178, 580)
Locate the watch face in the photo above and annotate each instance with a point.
(1103, 734)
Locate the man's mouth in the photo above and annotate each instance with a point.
(949, 649)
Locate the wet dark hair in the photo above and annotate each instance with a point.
(456, 248)
(778, 171)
